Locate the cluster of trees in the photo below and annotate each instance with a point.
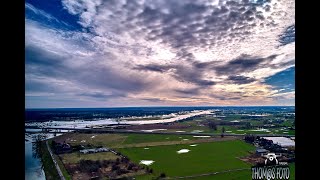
(250, 139)
(118, 167)
(212, 125)
(38, 147)
(247, 125)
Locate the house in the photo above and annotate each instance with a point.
(88, 151)
(61, 148)
(261, 151)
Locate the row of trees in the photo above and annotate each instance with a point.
(212, 125)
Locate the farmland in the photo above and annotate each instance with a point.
(203, 158)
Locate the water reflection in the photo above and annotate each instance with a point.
(33, 164)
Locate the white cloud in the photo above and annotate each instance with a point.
(175, 36)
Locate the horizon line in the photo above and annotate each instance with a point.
(159, 106)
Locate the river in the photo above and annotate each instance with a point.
(33, 170)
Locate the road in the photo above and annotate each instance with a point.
(87, 130)
(55, 162)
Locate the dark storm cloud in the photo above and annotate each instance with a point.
(48, 65)
(204, 65)
(152, 67)
(243, 64)
(42, 62)
(193, 72)
(241, 79)
(108, 77)
(38, 56)
(288, 63)
(184, 73)
(288, 36)
(152, 99)
(193, 91)
(32, 85)
(223, 98)
(102, 96)
(191, 75)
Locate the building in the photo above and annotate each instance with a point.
(88, 151)
(261, 151)
(61, 148)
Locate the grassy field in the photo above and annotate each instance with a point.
(292, 167)
(132, 140)
(238, 175)
(203, 158)
(49, 167)
(60, 164)
(241, 175)
(142, 138)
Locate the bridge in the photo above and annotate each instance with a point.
(91, 130)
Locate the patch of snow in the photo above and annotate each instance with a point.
(185, 139)
(261, 129)
(202, 136)
(146, 162)
(183, 151)
(196, 131)
(194, 145)
(180, 131)
(152, 130)
(235, 121)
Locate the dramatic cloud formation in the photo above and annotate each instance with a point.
(95, 53)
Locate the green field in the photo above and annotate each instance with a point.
(241, 175)
(203, 158)
(131, 140)
(49, 167)
(238, 175)
(292, 167)
(143, 138)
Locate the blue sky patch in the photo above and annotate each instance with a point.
(284, 80)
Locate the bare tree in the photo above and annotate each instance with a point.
(222, 131)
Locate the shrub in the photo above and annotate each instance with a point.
(162, 175)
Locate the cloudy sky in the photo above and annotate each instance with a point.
(112, 53)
